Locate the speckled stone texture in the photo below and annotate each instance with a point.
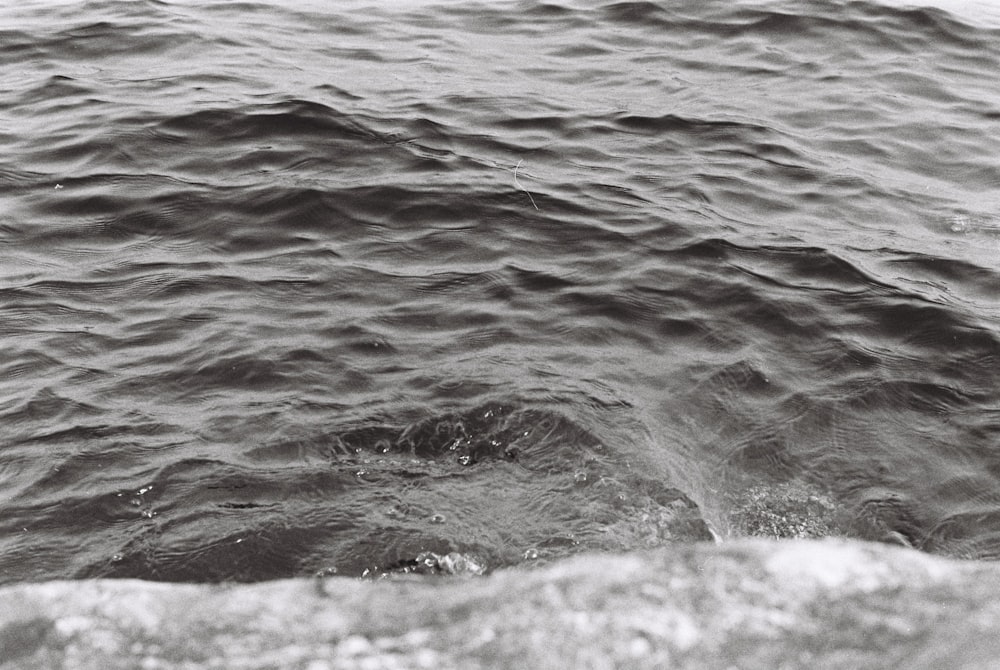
(748, 604)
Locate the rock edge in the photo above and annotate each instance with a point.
(747, 604)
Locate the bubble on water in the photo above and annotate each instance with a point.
(148, 513)
(437, 518)
(117, 558)
(530, 554)
(580, 478)
(465, 460)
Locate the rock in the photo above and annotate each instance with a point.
(748, 604)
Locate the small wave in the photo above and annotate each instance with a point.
(373, 498)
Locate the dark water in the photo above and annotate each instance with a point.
(348, 287)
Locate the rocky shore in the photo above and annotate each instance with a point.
(748, 604)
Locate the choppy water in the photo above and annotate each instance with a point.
(347, 287)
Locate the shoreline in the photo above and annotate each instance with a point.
(828, 603)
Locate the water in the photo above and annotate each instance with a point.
(354, 289)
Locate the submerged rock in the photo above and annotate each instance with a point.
(747, 604)
(787, 510)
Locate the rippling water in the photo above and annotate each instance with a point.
(346, 288)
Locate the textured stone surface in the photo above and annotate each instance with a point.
(749, 604)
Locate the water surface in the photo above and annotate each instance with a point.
(298, 288)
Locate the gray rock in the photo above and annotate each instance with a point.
(748, 604)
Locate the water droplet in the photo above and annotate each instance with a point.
(530, 554)
(438, 518)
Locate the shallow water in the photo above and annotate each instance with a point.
(299, 288)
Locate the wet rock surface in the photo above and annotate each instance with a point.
(748, 604)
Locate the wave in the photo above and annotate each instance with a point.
(572, 276)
